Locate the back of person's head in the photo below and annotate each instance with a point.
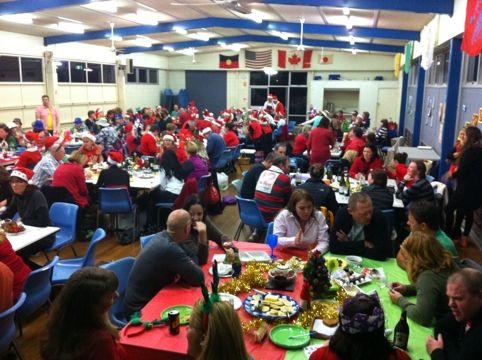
(421, 168)
(426, 212)
(191, 148)
(79, 309)
(324, 122)
(297, 196)
(270, 157)
(170, 127)
(177, 221)
(371, 139)
(90, 113)
(473, 135)
(425, 253)
(470, 278)
(76, 157)
(306, 129)
(316, 171)
(222, 334)
(360, 334)
(379, 177)
(401, 157)
(280, 160)
(358, 131)
(170, 164)
(384, 123)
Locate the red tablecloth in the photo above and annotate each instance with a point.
(159, 344)
(8, 161)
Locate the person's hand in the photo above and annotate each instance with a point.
(407, 178)
(3, 203)
(394, 295)
(298, 238)
(434, 344)
(341, 236)
(399, 287)
(200, 227)
(368, 244)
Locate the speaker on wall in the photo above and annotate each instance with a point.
(129, 66)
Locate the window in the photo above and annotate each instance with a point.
(299, 78)
(108, 74)
(31, 70)
(439, 64)
(94, 74)
(258, 96)
(473, 68)
(298, 100)
(142, 75)
(281, 78)
(9, 68)
(132, 77)
(63, 72)
(258, 78)
(431, 74)
(77, 72)
(153, 76)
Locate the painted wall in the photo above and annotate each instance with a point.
(430, 131)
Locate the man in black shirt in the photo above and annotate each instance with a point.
(252, 175)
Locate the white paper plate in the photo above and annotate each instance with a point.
(228, 270)
(234, 300)
(321, 328)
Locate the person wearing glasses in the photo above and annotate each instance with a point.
(45, 168)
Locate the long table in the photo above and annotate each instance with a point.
(31, 235)
(159, 344)
(138, 180)
(419, 153)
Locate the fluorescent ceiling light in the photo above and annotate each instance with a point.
(117, 38)
(144, 17)
(189, 51)
(346, 11)
(256, 16)
(143, 41)
(233, 47)
(353, 51)
(70, 20)
(348, 24)
(282, 35)
(69, 27)
(107, 6)
(168, 48)
(18, 18)
(352, 40)
(199, 36)
(180, 31)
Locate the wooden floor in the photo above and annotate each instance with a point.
(109, 250)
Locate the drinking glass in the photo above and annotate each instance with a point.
(272, 242)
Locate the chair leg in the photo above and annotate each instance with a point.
(18, 320)
(238, 231)
(134, 214)
(73, 250)
(16, 350)
(46, 256)
(97, 219)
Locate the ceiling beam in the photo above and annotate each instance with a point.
(25, 6)
(335, 30)
(418, 6)
(266, 39)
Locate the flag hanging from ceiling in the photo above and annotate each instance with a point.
(472, 40)
(408, 57)
(294, 59)
(326, 59)
(229, 62)
(396, 64)
(257, 59)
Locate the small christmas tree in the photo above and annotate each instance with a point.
(316, 278)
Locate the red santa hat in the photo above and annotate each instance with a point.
(275, 98)
(53, 142)
(89, 136)
(23, 174)
(128, 128)
(270, 96)
(115, 157)
(206, 131)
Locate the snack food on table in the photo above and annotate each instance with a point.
(272, 305)
(330, 322)
(12, 226)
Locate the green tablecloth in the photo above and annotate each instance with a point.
(418, 333)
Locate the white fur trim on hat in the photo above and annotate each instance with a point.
(206, 130)
(168, 138)
(20, 175)
(89, 136)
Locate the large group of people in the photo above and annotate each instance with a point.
(187, 145)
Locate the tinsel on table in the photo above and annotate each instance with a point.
(254, 276)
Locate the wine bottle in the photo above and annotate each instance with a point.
(298, 177)
(342, 188)
(401, 332)
(329, 172)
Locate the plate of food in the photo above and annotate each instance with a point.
(185, 312)
(233, 300)
(346, 276)
(12, 227)
(271, 306)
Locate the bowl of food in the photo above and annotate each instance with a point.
(12, 227)
(282, 277)
(354, 260)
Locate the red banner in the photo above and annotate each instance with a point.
(472, 41)
(294, 59)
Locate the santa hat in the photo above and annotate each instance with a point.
(53, 142)
(90, 137)
(275, 98)
(168, 138)
(270, 96)
(23, 174)
(11, 125)
(115, 157)
(128, 127)
(206, 131)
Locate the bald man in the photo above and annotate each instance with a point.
(163, 261)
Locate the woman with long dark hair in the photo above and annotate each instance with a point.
(78, 326)
(319, 142)
(467, 196)
(368, 160)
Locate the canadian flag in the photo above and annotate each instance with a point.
(294, 59)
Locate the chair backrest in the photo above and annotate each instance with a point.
(145, 240)
(89, 257)
(237, 152)
(7, 324)
(237, 184)
(37, 287)
(329, 217)
(224, 159)
(64, 216)
(201, 185)
(269, 231)
(250, 214)
(55, 194)
(122, 269)
(115, 200)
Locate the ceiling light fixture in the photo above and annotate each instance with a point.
(69, 27)
(346, 11)
(143, 41)
(199, 36)
(256, 16)
(168, 48)
(18, 18)
(353, 51)
(180, 31)
(270, 71)
(143, 17)
(348, 25)
(107, 6)
(188, 52)
(70, 20)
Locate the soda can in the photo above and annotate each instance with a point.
(174, 323)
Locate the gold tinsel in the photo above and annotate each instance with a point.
(252, 277)
(254, 324)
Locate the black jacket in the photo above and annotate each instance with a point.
(468, 193)
(382, 197)
(250, 179)
(322, 194)
(376, 232)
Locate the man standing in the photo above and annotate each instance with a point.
(48, 114)
(215, 146)
(45, 168)
(459, 334)
(164, 261)
(360, 230)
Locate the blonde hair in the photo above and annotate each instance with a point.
(223, 339)
(76, 157)
(425, 253)
(191, 148)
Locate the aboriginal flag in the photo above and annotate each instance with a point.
(229, 62)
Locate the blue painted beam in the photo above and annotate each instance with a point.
(451, 103)
(403, 104)
(335, 30)
(266, 39)
(419, 6)
(417, 121)
(24, 6)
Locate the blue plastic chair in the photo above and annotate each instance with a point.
(145, 240)
(122, 269)
(116, 201)
(249, 215)
(8, 328)
(223, 160)
(201, 185)
(64, 216)
(64, 268)
(269, 231)
(37, 287)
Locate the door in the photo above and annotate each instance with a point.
(388, 106)
(207, 89)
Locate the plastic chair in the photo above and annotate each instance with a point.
(37, 287)
(116, 201)
(145, 240)
(122, 269)
(269, 231)
(249, 215)
(54, 194)
(64, 268)
(237, 184)
(64, 216)
(8, 328)
(223, 160)
(201, 185)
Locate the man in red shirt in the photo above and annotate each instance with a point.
(149, 141)
(230, 137)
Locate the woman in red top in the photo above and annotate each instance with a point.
(71, 176)
(91, 151)
(400, 170)
(230, 137)
(15, 264)
(355, 140)
(369, 160)
(78, 327)
(319, 142)
(360, 334)
(301, 141)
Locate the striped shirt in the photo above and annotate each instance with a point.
(273, 190)
(420, 190)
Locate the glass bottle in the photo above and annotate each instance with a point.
(236, 263)
(401, 332)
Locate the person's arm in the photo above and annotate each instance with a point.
(355, 168)
(377, 234)
(322, 240)
(338, 242)
(203, 245)
(10, 211)
(183, 265)
(280, 228)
